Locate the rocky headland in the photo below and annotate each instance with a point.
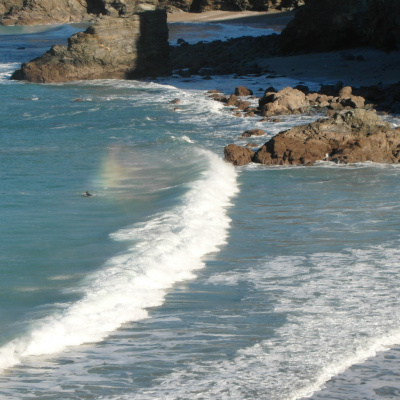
(126, 40)
(124, 48)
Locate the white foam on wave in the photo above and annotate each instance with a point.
(168, 249)
(6, 70)
(339, 309)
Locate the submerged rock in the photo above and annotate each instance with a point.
(349, 136)
(252, 132)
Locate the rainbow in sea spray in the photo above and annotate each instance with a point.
(168, 249)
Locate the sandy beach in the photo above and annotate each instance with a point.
(355, 67)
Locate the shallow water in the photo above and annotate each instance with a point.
(183, 277)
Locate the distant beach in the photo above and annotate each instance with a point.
(355, 67)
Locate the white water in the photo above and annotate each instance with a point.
(169, 249)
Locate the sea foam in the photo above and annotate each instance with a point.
(165, 250)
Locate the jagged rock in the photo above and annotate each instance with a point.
(242, 105)
(324, 25)
(347, 99)
(286, 101)
(232, 100)
(20, 12)
(347, 137)
(111, 48)
(30, 12)
(253, 132)
(238, 155)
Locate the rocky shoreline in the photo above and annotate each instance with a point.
(351, 131)
(129, 40)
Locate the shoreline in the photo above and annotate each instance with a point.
(356, 67)
(259, 19)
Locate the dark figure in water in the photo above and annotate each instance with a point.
(86, 194)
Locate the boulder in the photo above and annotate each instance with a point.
(286, 101)
(347, 137)
(232, 100)
(347, 99)
(238, 155)
(243, 91)
(130, 47)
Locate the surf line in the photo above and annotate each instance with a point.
(168, 249)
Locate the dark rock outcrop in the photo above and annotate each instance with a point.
(324, 25)
(235, 55)
(347, 137)
(112, 48)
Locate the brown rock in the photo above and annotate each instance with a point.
(347, 99)
(286, 101)
(238, 155)
(345, 92)
(243, 91)
(347, 137)
(242, 105)
(253, 132)
(232, 100)
(353, 102)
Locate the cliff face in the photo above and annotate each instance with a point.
(28, 12)
(31, 12)
(131, 47)
(323, 25)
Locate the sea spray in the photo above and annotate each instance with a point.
(167, 250)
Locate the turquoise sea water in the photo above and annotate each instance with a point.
(182, 277)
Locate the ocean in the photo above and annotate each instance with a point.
(181, 276)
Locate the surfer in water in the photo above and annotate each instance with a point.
(86, 194)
